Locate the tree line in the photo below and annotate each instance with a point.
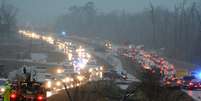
(178, 31)
(7, 19)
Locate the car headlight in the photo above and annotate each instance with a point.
(49, 84)
(48, 94)
(58, 83)
(90, 70)
(101, 68)
(2, 89)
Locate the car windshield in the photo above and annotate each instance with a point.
(31, 86)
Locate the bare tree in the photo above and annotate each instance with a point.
(155, 27)
(153, 23)
(7, 18)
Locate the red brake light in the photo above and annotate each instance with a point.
(179, 82)
(13, 95)
(40, 98)
(168, 82)
(191, 83)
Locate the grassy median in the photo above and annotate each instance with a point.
(149, 88)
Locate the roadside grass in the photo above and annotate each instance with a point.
(92, 91)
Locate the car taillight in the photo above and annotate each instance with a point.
(190, 83)
(40, 98)
(168, 82)
(179, 82)
(153, 71)
(200, 85)
(13, 95)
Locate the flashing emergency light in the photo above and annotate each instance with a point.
(197, 72)
(198, 75)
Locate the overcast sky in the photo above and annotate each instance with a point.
(35, 11)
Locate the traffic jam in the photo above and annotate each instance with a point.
(151, 62)
(39, 83)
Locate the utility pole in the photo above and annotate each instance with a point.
(67, 92)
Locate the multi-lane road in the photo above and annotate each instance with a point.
(81, 65)
(196, 94)
(107, 56)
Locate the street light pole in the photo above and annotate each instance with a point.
(67, 92)
(66, 89)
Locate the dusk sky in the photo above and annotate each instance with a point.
(42, 11)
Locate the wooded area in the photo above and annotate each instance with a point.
(7, 19)
(178, 30)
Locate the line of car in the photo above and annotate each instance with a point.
(151, 61)
(68, 76)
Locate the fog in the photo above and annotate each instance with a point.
(173, 25)
(43, 12)
(141, 50)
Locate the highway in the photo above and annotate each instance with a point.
(117, 65)
(84, 53)
(196, 95)
(113, 60)
(76, 56)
